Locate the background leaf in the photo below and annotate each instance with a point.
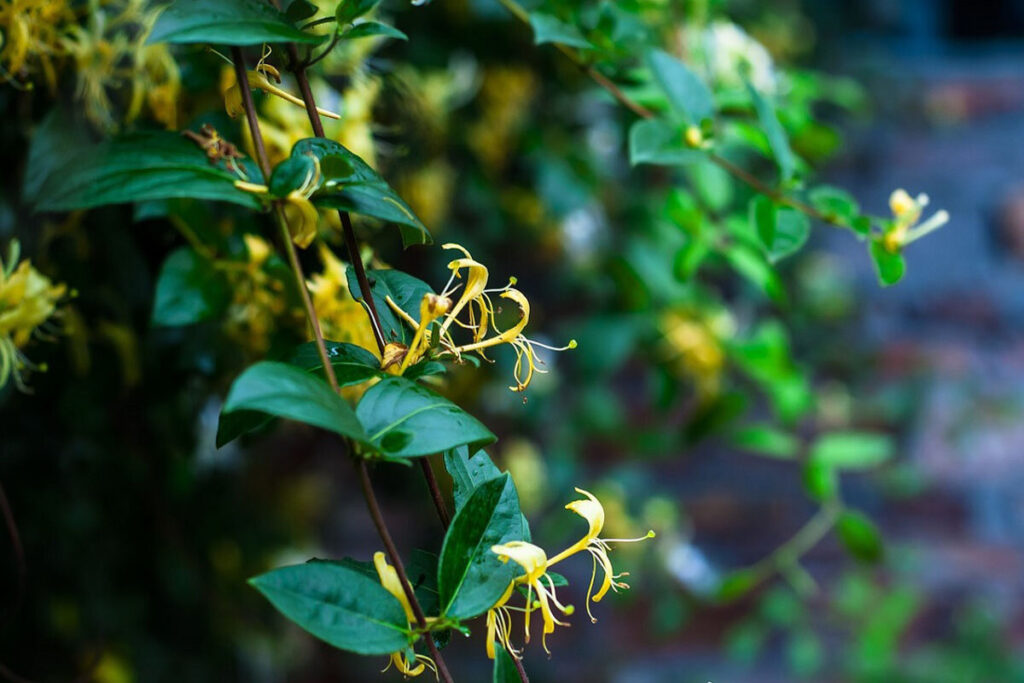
(889, 266)
(653, 141)
(188, 290)
(852, 450)
(689, 97)
(777, 138)
(551, 29)
(860, 536)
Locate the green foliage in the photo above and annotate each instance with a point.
(688, 96)
(890, 266)
(338, 605)
(404, 420)
(471, 578)
(137, 167)
(860, 536)
(188, 290)
(551, 29)
(226, 22)
(777, 139)
(284, 390)
(468, 472)
(403, 289)
(654, 141)
(852, 450)
(504, 667)
(369, 29)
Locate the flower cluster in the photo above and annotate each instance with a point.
(27, 300)
(477, 309)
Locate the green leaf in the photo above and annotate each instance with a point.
(226, 22)
(504, 667)
(834, 201)
(367, 29)
(351, 185)
(339, 605)
(471, 578)
(753, 266)
(852, 450)
(468, 472)
(352, 364)
(820, 481)
(736, 585)
(777, 138)
(188, 290)
(230, 426)
(284, 390)
(300, 10)
(890, 266)
(686, 92)
(763, 217)
(406, 420)
(138, 167)
(766, 440)
(551, 29)
(792, 228)
(291, 174)
(404, 289)
(353, 9)
(860, 536)
(653, 141)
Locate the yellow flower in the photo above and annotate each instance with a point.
(31, 38)
(389, 579)
(258, 300)
(693, 347)
(906, 211)
(479, 319)
(534, 562)
(27, 300)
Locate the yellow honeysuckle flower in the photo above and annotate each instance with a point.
(533, 560)
(475, 302)
(590, 509)
(389, 579)
(27, 300)
(906, 211)
(499, 625)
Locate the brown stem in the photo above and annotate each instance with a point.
(299, 70)
(519, 668)
(371, 500)
(435, 492)
(389, 547)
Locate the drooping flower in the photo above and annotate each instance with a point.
(473, 310)
(408, 663)
(534, 562)
(27, 300)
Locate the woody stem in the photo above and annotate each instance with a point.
(368, 494)
(299, 71)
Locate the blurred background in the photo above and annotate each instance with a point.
(138, 534)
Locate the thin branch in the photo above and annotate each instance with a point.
(640, 110)
(368, 494)
(790, 552)
(435, 492)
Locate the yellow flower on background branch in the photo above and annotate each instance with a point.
(906, 211)
(389, 579)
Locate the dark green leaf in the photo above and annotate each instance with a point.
(653, 141)
(424, 368)
(736, 585)
(833, 201)
(860, 536)
(226, 22)
(504, 667)
(188, 290)
(471, 578)
(468, 472)
(405, 420)
(138, 167)
(367, 29)
(792, 229)
(404, 289)
(354, 186)
(889, 265)
(550, 29)
(230, 426)
(352, 364)
(753, 266)
(284, 390)
(763, 217)
(339, 605)
(686, 92)
(299, 10)
(353, 9)
(291, 174)
(852, 450)
(776, 135)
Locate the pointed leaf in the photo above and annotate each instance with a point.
(284, 390)
(653, 141)
(226, 22)
(404, 289)
(777, 138)
(890, 266)
(367, 29)
(551, 29)
(467, 472)
(339, 605)
(352, 364)
(471, 578)
(406, 420)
